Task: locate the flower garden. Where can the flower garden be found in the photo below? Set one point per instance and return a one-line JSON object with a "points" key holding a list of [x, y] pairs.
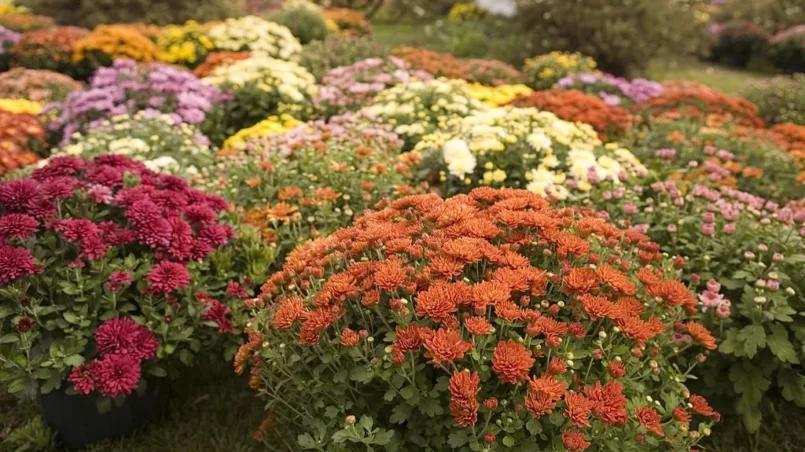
{"points": [[365, 248]]}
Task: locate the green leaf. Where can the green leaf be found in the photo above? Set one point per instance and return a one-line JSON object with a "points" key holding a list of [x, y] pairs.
{"points": [[74, 360], [361, 374], [390, 395], [534, 426], [306, 441], [158, 372], [458, 438], [104, 405], [407, 392], [71, 317], [731, 345], [383, 437], [780, 345], [366, 422], [749, 381], [430, 407], [400, 414], [793, 385], [331, 412], [508, 441], [9, 338], [753, 337]]}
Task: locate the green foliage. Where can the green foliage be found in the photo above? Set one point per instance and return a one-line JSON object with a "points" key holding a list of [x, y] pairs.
{"points": [[772, 15], [621, 35], [780, 99], [306, 24], [319, 57], [89, 13], [787, 50], [33, 436]]}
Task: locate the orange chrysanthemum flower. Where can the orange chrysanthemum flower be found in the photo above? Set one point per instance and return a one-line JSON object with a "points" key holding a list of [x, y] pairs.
{"points": [[543, 393], [701, 335], [573, 440], [289, 311], [478, 326], [700, 406], [616, 280], [512, 362], [438, 302], [446, 346], [597, 307], [680, 414], [408, 338], [464, 387], [650, 419], [390, 275], [609, 403], [315, 323], [578, 409], [349, 338], [581, 279]]}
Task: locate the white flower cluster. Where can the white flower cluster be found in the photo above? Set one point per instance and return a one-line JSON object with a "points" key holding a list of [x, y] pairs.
{"points": [[159, 142], [256, 35], [526, 148], [290, 81], [417, 108]]}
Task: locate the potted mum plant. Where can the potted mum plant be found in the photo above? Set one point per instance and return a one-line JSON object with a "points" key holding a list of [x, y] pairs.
{"points": [[101, 263], [488, 321]]}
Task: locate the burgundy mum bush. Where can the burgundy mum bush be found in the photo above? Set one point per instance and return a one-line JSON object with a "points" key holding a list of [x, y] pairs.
{"points": [[106, 276]]}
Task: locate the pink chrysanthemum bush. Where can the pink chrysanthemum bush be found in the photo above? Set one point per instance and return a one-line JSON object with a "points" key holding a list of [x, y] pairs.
{"points": [[106, 277], [488, 321], [743, 254]]}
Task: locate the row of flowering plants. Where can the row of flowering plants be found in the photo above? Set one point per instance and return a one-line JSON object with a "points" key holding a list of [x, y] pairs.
{"points": [[101, 265], [521, 148], [487, 321], [742, 253]]}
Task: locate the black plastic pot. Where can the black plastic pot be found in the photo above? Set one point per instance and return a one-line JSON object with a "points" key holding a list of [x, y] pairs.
{"points": [[77, 422]]}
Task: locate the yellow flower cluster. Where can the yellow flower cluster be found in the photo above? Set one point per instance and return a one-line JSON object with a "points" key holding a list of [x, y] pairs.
{"points": [[256, 35], [264, 128], [525, 148], [20, 106], [417, 108], [291, 81], [115, 41], [544, 71], [185, 44], [8, 7], [465, 12], [497, 96]]}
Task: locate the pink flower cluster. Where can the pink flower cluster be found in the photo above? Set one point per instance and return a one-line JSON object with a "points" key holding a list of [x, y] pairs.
{"points": [[122, 346], [712, 298], [159, 211], [350, 87]]}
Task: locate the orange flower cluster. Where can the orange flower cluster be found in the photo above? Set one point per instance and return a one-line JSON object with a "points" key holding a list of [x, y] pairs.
{"points": [[43, 48], [487, 72], [115, 41], [148, 30], [349, 21], [576, 106], [215, 60], [22, 23], [701, 103], [495, 278], [18, 132]]}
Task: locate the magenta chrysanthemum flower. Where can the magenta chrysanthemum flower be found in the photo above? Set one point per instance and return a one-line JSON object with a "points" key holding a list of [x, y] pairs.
{"points": [[15, 263], [17, 194], [17, 225], [217, 312], [199, 214], [123, 336], [166, 277], [59, 167], [117, 375], [74, 230], [118, 280], [216, 234], [82, 378], [59, 187]]}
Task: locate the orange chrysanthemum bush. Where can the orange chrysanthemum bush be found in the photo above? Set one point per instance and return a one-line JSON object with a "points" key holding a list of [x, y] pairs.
{"points": [[50, 49], [700, 103], [22, 136], [109, 42], [576, 106], [488, 321]]}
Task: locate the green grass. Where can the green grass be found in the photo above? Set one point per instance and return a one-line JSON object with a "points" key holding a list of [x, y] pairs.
{"points": [[725, 79], [211, 410]]}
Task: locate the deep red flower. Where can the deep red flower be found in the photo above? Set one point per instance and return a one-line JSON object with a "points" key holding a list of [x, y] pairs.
{"points": [[82, 378], [24, 325], [116, 374], [17, 225], [15, 263], [118, 280], [123, 336], [218, 312], [512, 362], [165, 277], [16, 195]]}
